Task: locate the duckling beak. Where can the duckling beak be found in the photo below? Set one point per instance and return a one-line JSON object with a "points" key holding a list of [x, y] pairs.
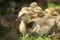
{"points": [[16, 20]]}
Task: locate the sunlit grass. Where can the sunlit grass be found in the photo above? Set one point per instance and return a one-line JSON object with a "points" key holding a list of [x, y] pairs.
{"points": [[31, 37]]}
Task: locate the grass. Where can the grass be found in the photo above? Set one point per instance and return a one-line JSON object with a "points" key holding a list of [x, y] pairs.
{"points": [[31, 37]]}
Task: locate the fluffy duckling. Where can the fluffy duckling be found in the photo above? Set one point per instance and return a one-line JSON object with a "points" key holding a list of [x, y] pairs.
{"points": [[55, 15], [52, 13]]}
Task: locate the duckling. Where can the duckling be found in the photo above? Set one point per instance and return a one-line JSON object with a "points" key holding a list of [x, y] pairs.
{"points": [[55, 15], [51, 12]]}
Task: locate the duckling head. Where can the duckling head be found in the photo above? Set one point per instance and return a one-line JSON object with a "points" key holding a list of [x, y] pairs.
{"points": [[37, 9], [24, 10], [33, 5], [49, 11]]}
